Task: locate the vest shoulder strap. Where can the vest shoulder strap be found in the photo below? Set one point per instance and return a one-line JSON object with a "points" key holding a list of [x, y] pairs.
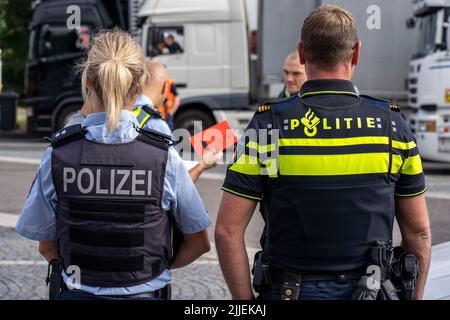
{"points": [[66, 135], [155, 138], [151, 111]]}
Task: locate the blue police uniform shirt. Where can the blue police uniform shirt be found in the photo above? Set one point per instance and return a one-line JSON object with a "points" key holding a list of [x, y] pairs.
{"points": [[38, 218]]}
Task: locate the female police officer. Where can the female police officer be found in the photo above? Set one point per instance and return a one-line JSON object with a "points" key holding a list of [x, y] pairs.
{"points": [[102, 195]]}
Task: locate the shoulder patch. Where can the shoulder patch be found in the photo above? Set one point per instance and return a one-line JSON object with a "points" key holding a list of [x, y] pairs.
{"points": [[278, 103], [67, 135]]}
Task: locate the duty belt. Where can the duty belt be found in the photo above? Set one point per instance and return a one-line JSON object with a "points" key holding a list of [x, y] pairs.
{"points": [[288, 283]]}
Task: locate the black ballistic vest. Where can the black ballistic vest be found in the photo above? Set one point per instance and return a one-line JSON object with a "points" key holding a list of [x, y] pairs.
{"points": [[110, 221], [328, 222]]}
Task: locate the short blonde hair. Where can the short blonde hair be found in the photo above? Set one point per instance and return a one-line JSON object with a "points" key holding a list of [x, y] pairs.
{"points": [[329, 36], [115, 67]]}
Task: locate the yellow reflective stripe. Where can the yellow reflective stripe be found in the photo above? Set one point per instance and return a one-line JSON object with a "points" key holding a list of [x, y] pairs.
{"points": [[247, 165], [262, 149], [240, 194], [144, 121], [411, 195], [397, 162], [328, 92], [336, 142], [331, 165], [412, 165], [403, 145], [141, 116]]}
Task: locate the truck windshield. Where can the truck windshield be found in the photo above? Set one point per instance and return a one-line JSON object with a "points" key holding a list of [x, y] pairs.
{"points": [[57, 40], [427, 35]]}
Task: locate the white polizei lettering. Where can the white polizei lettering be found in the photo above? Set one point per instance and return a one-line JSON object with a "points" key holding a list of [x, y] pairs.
{"points": [[149, 184], [66, 178], [135, 181], [126, 174], [98, 188], [91, 180], [113, 175]]}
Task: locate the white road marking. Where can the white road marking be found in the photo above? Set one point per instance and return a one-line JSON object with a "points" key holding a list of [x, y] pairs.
{"points": [[22, 263], [8, 220], [212, 176], [19, 160]]}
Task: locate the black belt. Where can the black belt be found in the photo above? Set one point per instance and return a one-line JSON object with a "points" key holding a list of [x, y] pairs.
{"points": [[287, 284], [278, 275]]}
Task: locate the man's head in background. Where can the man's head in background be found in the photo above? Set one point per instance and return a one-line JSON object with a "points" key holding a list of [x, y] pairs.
{"points": [[329, 45], [294, 73], [169, 40], [155, 84]]}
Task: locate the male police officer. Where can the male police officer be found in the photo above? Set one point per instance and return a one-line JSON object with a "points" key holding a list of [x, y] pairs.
{"points": [[294, 75], [153, 95], [331, 169]]}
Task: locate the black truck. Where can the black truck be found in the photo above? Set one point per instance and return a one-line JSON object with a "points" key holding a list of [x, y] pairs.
{"points": [[52, 86]]}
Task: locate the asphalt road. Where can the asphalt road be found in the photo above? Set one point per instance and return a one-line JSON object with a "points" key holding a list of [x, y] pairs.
{"points": [[22, 270], [19, 159]]}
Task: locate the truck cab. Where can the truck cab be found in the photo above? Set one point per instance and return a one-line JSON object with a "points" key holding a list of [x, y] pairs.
{"points": [[429, 79], [211, 77], [52, 85]]}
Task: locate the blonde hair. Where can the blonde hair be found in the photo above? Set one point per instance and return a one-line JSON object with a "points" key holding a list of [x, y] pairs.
{"points": [[115, 68], [329, 36]]}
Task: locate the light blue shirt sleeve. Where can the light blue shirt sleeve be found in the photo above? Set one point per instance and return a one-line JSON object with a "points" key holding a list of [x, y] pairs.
{"points": [[38, 219], [181, 196]]}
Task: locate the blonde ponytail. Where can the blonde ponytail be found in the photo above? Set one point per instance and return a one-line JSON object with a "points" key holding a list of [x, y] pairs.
{"points": [[115, 67]]}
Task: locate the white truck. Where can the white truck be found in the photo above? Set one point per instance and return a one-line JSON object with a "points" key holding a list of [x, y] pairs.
{"points": [[218, 77], [223, 71], [429, 79]]}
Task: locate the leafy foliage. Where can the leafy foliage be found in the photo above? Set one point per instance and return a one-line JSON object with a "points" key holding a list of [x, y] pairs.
{"points": [[15, 16]]}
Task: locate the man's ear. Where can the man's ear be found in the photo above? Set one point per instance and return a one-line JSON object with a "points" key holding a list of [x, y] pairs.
{"points": [[301, 52], [356, 51]]}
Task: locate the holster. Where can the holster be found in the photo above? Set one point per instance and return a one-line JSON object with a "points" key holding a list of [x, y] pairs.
{"points": [[54, 279], [261, 273]]}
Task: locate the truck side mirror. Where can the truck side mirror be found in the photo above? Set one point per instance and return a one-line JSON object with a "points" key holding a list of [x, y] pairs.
{"points": [[410, 23]]}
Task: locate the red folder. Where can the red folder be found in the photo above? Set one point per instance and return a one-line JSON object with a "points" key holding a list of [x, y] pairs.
{"points": [[219, 137]]}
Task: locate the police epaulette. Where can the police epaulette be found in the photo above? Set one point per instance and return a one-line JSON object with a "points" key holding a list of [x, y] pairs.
{"points": [[67, 135], [394, 107], [382, 102], [264, 108], [271, 103], [151, 111]]}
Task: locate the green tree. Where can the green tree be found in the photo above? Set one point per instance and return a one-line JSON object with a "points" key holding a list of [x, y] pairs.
{"points": [[15, 15]]}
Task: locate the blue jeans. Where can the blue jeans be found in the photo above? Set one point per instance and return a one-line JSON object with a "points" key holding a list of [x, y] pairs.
{"points": [[320, 290], [82, 295]]}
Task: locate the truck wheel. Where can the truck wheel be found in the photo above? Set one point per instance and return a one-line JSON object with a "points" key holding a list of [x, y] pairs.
{"points": [[65, 115], [187, 120]]}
